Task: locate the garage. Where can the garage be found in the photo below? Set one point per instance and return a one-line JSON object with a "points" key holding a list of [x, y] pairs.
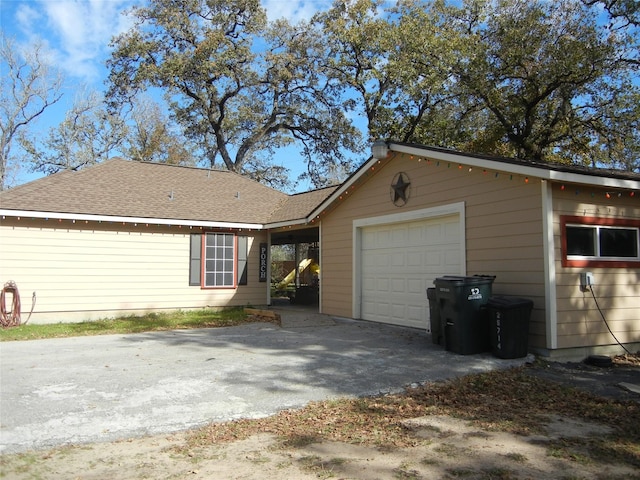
{"points": [[400, 260]]}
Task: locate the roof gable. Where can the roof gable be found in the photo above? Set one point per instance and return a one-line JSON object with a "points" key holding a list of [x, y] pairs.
{"points": [[615, 179]]}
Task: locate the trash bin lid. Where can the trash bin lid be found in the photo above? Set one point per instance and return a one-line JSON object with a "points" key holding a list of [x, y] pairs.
{"points": [[509, 302], [465, 280]]}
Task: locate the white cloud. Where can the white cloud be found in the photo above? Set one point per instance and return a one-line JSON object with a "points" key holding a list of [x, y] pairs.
{"points": [[294, 10], [26, 16], [77, 33]]}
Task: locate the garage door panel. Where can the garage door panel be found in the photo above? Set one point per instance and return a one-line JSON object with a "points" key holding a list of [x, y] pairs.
{"points": [[452, 259], [434, 259], [414, 286], [398, 285], [398, 259], [399, 236], [414, 313], [395, 275]]}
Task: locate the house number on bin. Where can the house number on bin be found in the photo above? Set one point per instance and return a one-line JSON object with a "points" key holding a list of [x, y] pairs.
{"points": [[475, 294]]}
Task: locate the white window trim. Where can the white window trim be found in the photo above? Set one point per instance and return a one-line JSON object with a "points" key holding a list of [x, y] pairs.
{"points": [[599, 257], [233, 258]]}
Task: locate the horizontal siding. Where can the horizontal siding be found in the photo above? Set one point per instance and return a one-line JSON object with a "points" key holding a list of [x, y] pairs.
{"points": [[503, 228], [617, 290], [87, 273], [336, 272]]}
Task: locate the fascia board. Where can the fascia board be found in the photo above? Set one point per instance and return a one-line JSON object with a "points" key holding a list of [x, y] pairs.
{"points": [[287, 223], [542, 173], [109, 218], [344, 188]]}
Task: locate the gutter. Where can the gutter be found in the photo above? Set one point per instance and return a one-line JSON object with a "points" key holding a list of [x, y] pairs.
{"points": [[118, 219]]}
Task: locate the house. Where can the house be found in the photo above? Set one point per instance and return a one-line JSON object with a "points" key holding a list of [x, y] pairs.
{"points": [[125, 236]]}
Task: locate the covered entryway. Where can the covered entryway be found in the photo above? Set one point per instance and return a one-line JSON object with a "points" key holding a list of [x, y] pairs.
{"points": [[295, 266], [398, 261]]}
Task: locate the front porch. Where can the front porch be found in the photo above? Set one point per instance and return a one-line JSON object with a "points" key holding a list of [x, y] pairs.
{"points": [[295, 267]]}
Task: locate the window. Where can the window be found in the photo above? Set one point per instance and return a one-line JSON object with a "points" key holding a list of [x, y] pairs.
{"points": [[222, 261], [219, 260], [600, 242]]}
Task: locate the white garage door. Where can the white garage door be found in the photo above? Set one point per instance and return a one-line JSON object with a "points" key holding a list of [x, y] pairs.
{"points": [[399, 262]]}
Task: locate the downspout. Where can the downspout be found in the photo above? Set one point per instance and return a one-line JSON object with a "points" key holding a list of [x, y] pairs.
{"points": [[550, 291]]}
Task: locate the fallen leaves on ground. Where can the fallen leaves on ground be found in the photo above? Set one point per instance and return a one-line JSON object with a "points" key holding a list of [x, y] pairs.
{"points": [[506, 400]]}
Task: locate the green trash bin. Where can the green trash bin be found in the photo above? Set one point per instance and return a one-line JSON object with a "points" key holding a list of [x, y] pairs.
{"points": [[437, 333], [509, 326], [464, 322]]}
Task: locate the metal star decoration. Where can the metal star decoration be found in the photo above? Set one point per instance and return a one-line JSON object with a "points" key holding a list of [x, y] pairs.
{"points": [[400, 189]]}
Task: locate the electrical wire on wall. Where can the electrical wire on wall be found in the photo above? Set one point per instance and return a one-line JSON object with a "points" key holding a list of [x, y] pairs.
{"points": [[590, 287]]}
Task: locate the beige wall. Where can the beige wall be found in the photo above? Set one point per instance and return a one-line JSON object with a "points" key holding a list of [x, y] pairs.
{"points": [[96, 270], [503, 228], [617, 290]]}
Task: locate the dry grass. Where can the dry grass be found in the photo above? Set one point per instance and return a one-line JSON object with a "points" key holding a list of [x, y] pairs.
{"points": [[513, 401]]}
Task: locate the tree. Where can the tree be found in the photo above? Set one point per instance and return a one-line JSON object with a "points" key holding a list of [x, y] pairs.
{"points": [[381, 55], [544, 72], [28, 87], [150, 138], [87, 135], [626, 11], [237, 85]]}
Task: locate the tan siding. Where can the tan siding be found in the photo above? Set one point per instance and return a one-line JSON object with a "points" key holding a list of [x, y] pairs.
{"points": [[617, 290], [503, 228], [87, 272], [336, 276]]}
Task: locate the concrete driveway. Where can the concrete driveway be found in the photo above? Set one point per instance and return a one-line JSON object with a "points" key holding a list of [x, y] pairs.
{"points": [[105, 388]]}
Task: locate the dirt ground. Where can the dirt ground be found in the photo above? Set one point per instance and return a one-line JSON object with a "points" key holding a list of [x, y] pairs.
{"points": [[444, 448], [451, 449]]}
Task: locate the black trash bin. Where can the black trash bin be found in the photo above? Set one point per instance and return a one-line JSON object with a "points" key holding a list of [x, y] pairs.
{"points": [[509, 326], [464, 322], [437, 333]]}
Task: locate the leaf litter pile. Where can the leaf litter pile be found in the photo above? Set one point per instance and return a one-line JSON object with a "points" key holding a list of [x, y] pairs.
{"points": [[512, 401]]}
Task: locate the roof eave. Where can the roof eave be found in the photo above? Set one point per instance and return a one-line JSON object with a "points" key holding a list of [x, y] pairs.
{"points": [[288, 223], [532, 171], [345, 187], [131, 220]]}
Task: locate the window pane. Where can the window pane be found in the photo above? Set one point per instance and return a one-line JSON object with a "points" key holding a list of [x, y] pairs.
{"points": [[581, 241], [619, 242]]}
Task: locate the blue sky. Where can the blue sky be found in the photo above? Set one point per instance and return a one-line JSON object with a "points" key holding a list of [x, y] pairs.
{"points": [[76, 34]]}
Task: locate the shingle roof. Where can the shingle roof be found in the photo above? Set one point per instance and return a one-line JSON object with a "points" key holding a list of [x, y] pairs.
{"points": [[299, 206], [125, 188]]}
